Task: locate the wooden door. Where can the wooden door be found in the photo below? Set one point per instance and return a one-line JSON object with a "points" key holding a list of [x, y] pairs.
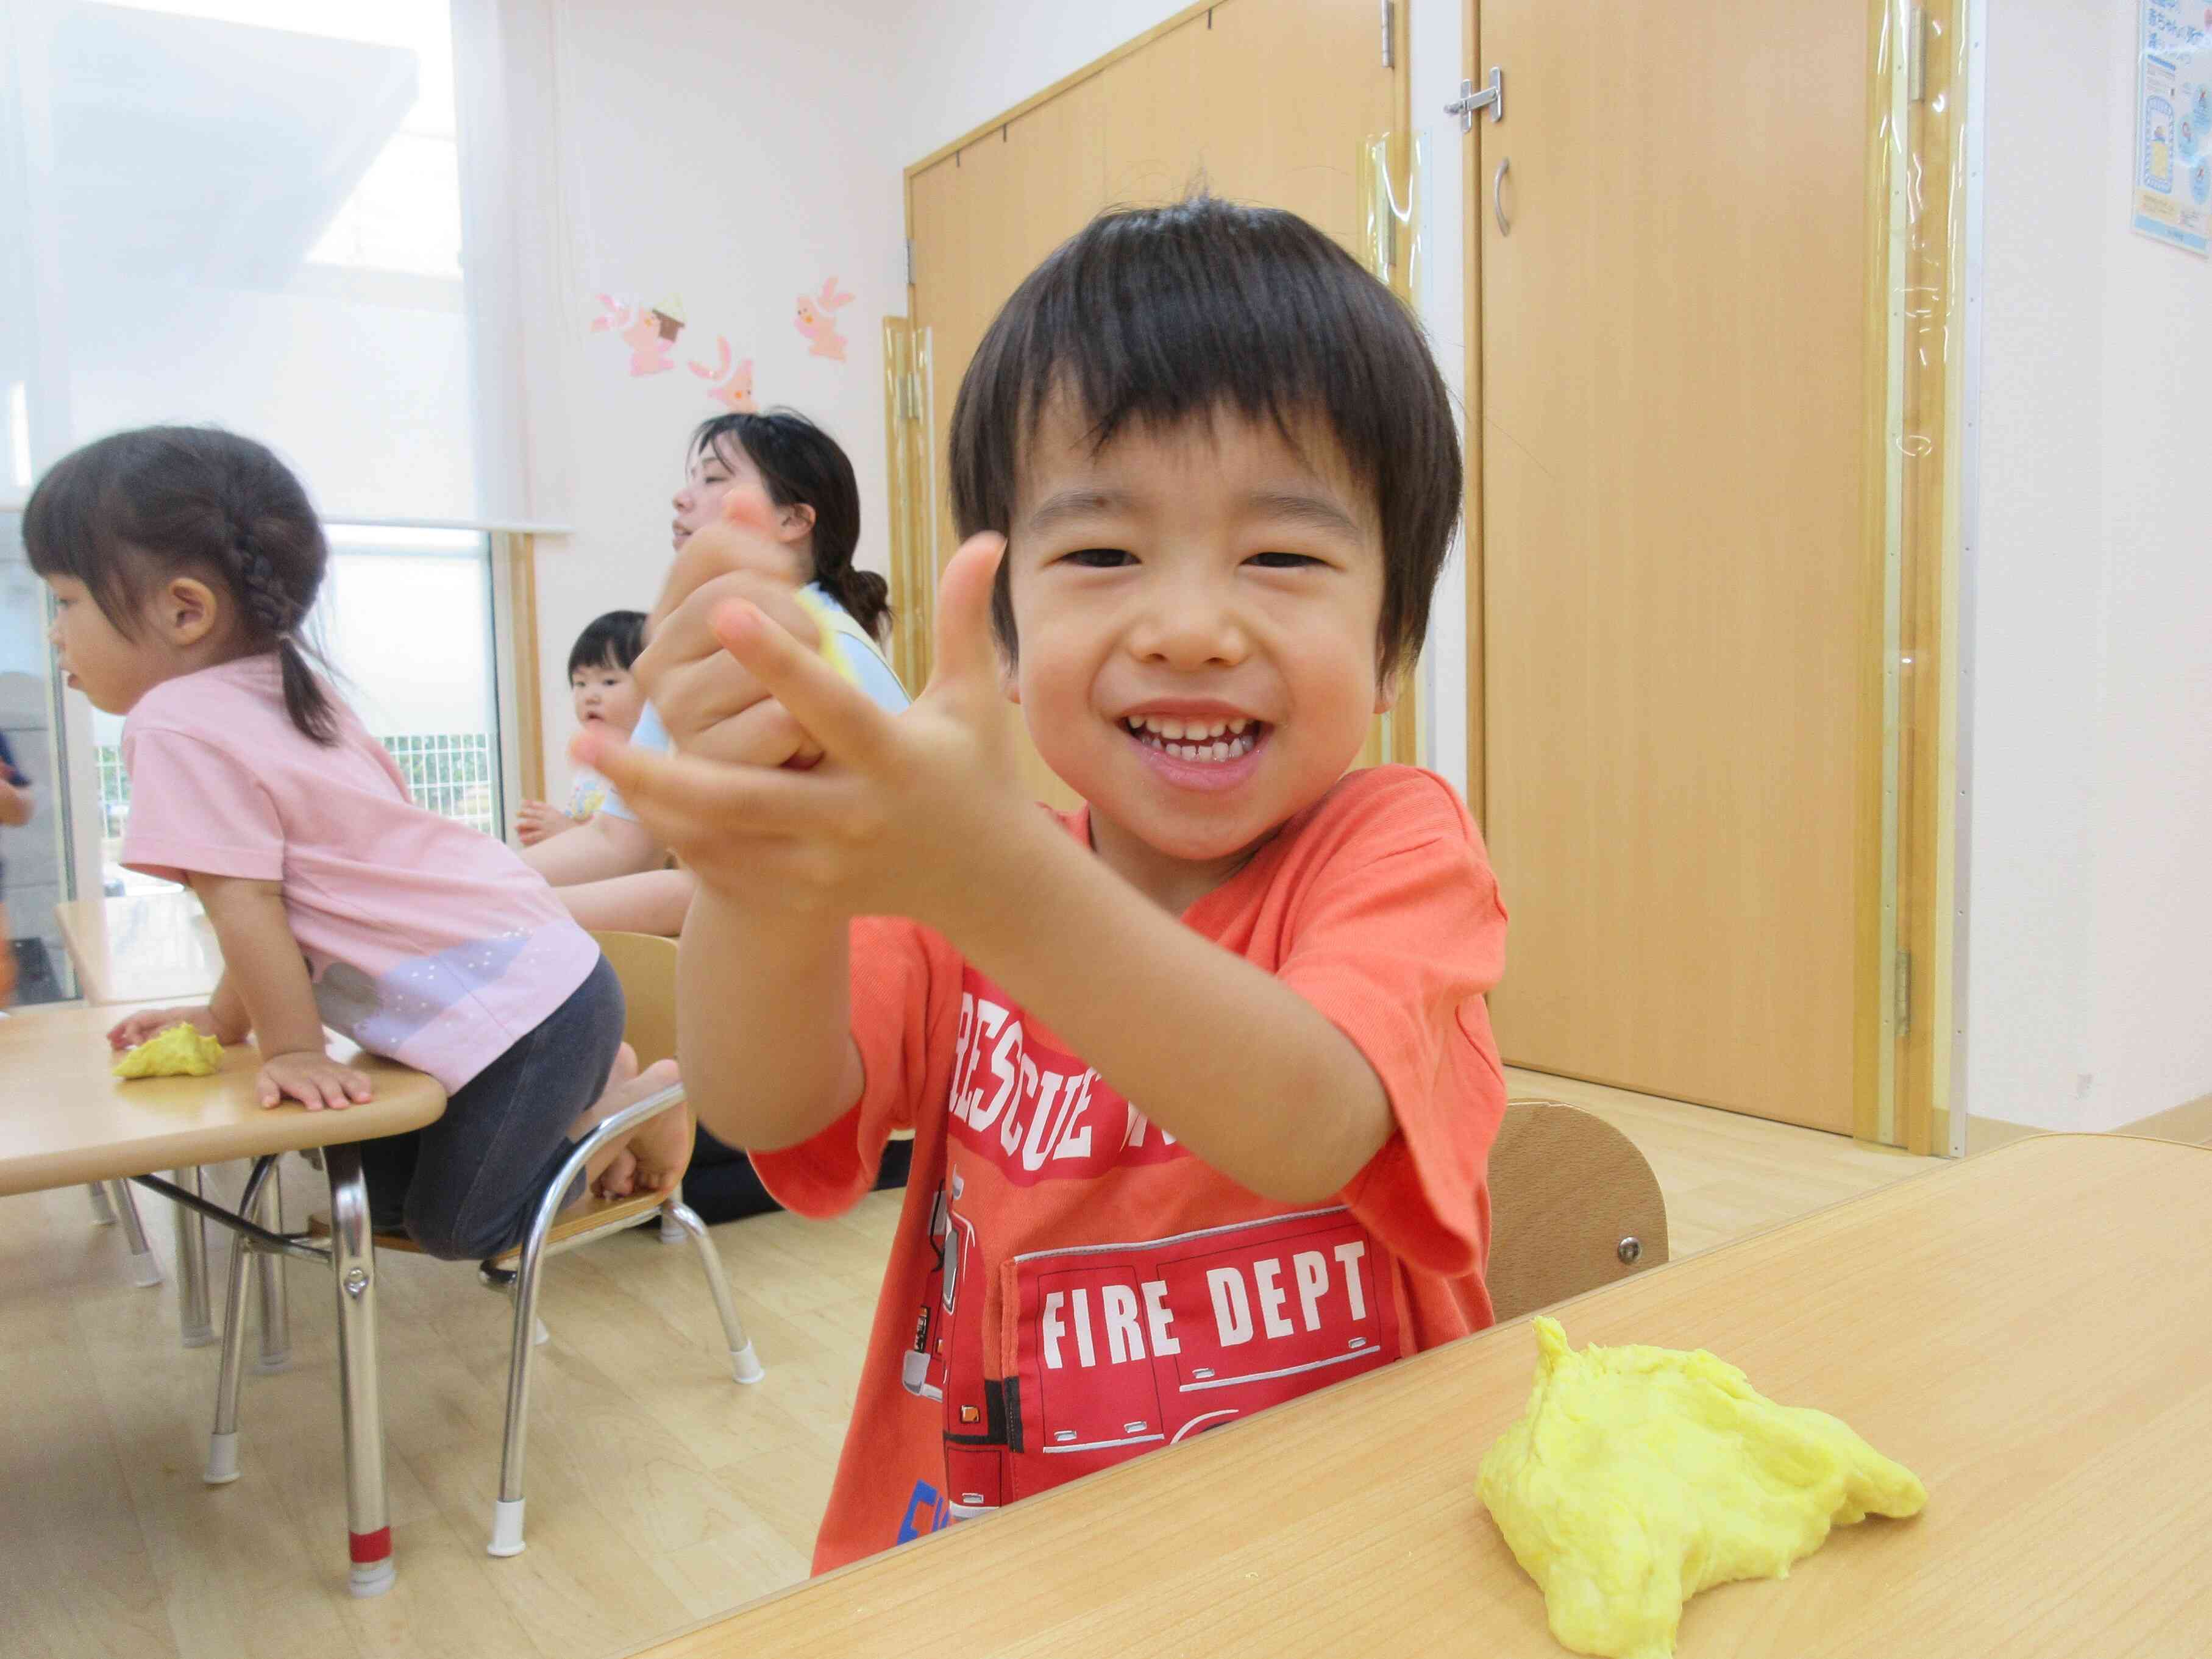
{"points": [[1682, 570], [1269, 102]]}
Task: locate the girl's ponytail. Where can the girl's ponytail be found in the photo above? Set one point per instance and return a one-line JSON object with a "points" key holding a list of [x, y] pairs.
{"points": [[865, 596], [270, 593]]}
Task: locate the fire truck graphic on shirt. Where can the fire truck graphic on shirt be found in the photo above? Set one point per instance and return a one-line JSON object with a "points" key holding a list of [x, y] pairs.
{"points": [[1113, 1348], [1121, 1348]]}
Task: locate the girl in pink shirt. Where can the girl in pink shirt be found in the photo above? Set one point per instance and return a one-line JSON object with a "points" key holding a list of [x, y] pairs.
{"points": [[184, 563]]}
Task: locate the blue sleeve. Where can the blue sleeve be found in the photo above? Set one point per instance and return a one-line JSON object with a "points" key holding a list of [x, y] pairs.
{"points": [[650, 734], [881, 685], [9, 772]]}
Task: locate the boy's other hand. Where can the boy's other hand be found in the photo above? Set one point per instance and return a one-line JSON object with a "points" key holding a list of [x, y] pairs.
{"points": [[710, 702], [535, 821], [906, 815], [149, 1022], [315, 1080]]}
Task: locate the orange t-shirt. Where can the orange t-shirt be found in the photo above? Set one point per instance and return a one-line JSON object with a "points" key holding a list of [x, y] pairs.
{"points": [[1069, 1287]]}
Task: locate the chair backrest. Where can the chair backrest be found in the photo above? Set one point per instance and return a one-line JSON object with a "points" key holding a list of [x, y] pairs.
{"points": [[646, 965], [1568, 1191]]}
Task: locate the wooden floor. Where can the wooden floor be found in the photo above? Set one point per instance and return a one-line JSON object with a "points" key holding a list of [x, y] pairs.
{"points": [[660, 1493]]}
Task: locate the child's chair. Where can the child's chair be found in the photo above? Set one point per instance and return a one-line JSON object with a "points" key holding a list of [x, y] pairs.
{"points": [[1573, 1205], [646, 965]]}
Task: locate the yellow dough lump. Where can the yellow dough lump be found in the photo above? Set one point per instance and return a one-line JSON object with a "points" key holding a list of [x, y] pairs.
{"points": [[179, 1051], [1639, 1476]]}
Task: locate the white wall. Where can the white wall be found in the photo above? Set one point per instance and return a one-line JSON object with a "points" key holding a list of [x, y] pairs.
{"points": [[961, 63], [2090, 948], [736, 167]]}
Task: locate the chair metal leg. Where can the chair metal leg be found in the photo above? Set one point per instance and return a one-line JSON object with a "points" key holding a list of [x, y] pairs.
{"points": [[276, 1316], [353, 1257], [103, 1213], [744, 1365], [506, 1511], [222, 1443], [191, 1266], [522, 1350], [145, 1270], [670, 1232]]}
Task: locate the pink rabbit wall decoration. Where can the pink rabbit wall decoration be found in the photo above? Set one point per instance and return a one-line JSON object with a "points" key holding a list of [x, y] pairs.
{"points": [[818, 322]]}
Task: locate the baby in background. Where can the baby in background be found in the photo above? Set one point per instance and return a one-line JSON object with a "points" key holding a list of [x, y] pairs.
{"points": [[607, 700]]}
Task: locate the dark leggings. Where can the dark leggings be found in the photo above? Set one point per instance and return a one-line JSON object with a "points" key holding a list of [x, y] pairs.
{"points": [[465, 1187]]}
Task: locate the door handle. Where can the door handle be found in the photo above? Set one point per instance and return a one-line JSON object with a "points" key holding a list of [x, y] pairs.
{"points": [[1498, 196]]}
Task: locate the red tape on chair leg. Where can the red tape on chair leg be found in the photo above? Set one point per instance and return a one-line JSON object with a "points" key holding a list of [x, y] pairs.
{"points": [[369, 1547]]}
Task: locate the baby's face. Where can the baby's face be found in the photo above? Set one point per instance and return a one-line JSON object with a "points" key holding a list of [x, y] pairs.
{"points": [[607, 699], [1197, 612]]}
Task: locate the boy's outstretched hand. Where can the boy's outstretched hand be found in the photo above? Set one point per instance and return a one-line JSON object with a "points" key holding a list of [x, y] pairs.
{"points": [[791, 789]]}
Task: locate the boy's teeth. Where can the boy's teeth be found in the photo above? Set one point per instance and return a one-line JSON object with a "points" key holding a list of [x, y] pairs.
{"points": [[1218, 740]]}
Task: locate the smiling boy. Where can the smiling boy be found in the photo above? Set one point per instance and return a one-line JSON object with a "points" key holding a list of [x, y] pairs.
{"points": [[1200, 1075]]}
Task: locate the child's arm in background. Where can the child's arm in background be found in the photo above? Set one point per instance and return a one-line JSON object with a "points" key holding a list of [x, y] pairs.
{"points": [[537, 821], [609, 846], [263, 966], [14, 803], [650, 901]]}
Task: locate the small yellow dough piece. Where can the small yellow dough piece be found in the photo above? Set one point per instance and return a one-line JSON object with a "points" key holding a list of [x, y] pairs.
{"points": [[827, 622], [1639, 1476], [181, 1050]]}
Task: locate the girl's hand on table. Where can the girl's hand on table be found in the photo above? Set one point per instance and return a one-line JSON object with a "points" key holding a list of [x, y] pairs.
{"points": [[149, 1023], [315, 1080]]}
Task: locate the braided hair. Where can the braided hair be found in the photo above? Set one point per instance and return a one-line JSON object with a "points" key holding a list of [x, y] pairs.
{"points": [[126, 513]]}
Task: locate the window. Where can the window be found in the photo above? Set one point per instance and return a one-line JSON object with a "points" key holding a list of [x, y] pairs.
{"points": [[251, 212]]}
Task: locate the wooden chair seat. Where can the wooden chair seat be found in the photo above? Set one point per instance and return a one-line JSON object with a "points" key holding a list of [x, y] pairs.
{"points": [[590, 1216]]}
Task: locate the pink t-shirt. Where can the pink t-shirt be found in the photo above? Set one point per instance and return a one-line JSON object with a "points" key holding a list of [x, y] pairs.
{"points": [[428, 941]]}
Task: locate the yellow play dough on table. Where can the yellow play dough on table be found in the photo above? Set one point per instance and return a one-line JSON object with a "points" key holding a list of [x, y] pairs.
{"points": [[181, 1050], [1639, 1476], [826, 620]]}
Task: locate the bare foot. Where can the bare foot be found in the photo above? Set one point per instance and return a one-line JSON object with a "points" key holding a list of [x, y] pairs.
{"points": [[653, 1156], [662, 1145], [619, 1179]]}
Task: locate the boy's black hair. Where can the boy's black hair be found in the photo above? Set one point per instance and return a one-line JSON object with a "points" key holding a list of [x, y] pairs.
{"points": [[802, 464], [126, 513], [1154, 316], [614, 641]]}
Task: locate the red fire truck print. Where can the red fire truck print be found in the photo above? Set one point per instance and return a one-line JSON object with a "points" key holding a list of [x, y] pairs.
{"points": [[1123, 1347]]}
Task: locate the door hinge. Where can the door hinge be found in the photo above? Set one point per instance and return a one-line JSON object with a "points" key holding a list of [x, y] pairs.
{"points": [[1904, 993], [1916, 53], [1390, 27], [1491, 98], [909, 262]]}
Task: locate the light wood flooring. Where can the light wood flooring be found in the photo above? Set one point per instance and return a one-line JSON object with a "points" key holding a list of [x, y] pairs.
{"points": [[660, 1493]]}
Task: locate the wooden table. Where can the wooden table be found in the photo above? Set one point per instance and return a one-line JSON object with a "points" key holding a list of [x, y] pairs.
{"points": [[160, 947], [150, 947], [65, 1118], [2029, 1331]]}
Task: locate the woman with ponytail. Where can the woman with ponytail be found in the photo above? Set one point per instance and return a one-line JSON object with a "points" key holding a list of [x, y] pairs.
{"points": [[183, 563]]}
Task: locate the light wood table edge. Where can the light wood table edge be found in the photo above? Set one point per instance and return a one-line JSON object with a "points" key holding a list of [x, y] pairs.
{"points": [[194, 1147]]}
